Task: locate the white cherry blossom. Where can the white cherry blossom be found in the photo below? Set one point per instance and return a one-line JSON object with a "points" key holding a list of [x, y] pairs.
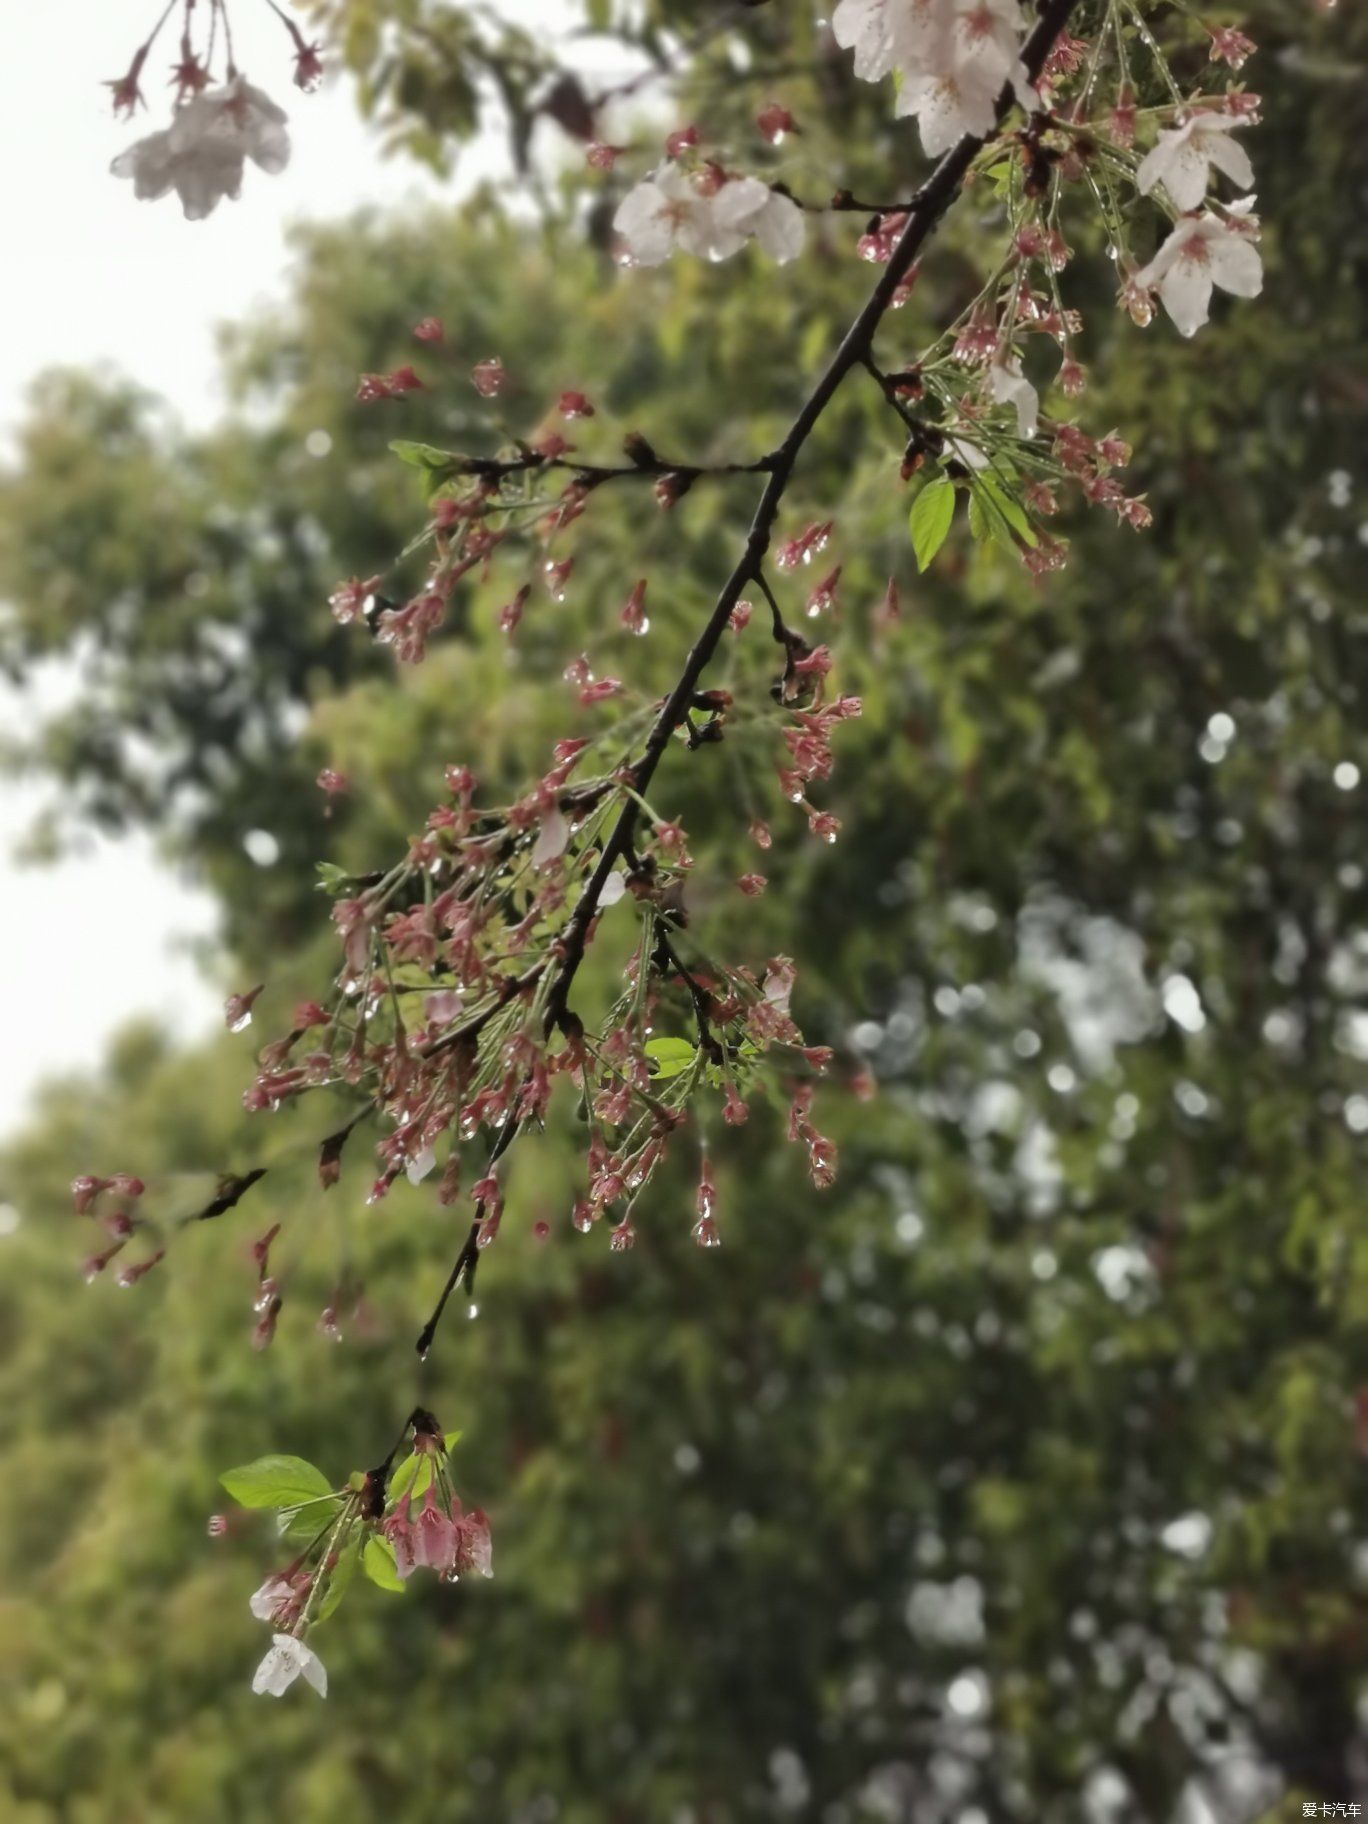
{"points": [[201, 155], [969, 454], [1203, 251], [286, 1660], [424, 1160], [1009, 386], [886, 35], [265, 1601], [1182, 159], [952, 58], [714, 220], [669, 210], [746, 206]]}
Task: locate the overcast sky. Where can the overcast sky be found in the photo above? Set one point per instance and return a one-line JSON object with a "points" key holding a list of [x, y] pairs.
{"points": [[97, 279]]}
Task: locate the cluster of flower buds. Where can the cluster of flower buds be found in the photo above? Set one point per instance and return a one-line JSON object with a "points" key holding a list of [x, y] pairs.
{"points": [[218, 120], [450, 1008], [369, 1525], [115, 1204]]}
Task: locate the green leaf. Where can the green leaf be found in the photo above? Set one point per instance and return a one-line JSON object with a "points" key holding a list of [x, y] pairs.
{"points": [[344, 1571], [301, 1524], [331, 878], [275, 1482], [422, 455], [378, 1562], [929, 520], [412, 1476], [1010, 508], [669, 1057]]}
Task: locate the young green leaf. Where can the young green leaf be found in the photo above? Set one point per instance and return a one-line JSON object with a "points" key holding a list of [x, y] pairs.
{"points": [[302, 1524], [343, 1572], [422, 455], [929, 520], [378, 1562], [275, 1482], [1010, 508], [332, 879], [669, 1057], [412, 1476]]}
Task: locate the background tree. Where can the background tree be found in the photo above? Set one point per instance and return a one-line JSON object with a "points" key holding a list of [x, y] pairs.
{"points": [[1022, 1476]]}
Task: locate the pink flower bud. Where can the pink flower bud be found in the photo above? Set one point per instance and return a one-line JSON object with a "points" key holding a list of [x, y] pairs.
{"points": [[489, 377], [332, 782], [348, 600], [752, 885], [84, 1191], [264, 1331], [557, 575], [1228, 45], [512, 611], [823, 597], [131, 1275], [682, 140], [821, 1160], [740, 616], [308, 70], [429, 330], [774, 122], [1071, 377], [634, 610], [237, 1009], [574, 405]]}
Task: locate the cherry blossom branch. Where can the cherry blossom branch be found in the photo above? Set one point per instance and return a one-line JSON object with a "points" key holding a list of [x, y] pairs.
{"points": [[924, 213], [644, 463], [924, 216]]}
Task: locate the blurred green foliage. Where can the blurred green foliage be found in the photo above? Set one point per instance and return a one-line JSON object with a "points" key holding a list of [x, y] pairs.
{"points": [[1018, 1478]]}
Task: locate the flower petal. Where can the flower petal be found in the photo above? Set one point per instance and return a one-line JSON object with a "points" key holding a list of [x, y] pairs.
{"points": [[1185, 292]]}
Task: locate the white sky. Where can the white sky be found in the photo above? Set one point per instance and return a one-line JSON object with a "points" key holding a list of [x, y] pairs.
{"points": [[97, 279]]}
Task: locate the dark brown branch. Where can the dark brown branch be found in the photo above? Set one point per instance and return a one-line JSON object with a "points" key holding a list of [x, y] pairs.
{"points": [[644, 465], [230, 1192], [469, 1257]]}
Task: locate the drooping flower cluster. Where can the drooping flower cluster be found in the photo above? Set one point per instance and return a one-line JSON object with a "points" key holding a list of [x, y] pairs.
{"points": [[950, 58], [216, 127], [201, 155], [368, 1525]]}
